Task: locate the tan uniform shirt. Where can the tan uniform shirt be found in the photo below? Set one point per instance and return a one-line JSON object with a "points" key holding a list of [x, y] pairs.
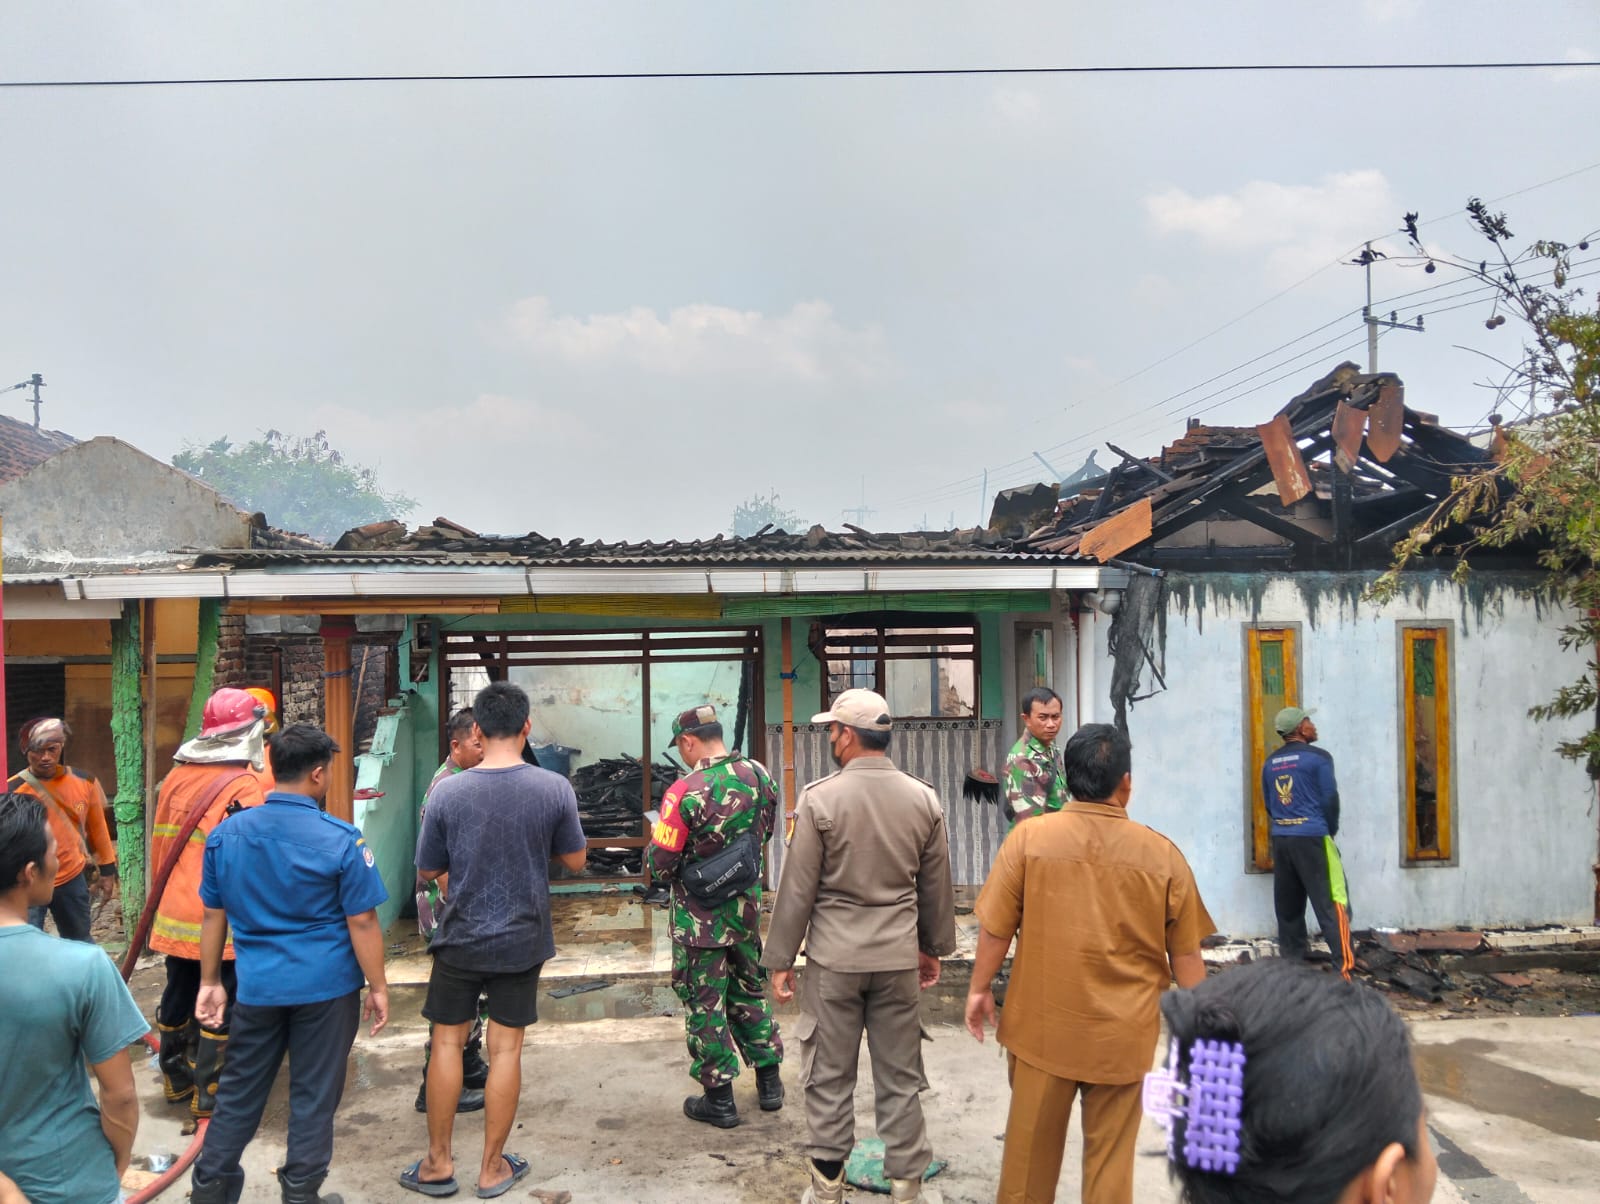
{"points": [[1102, 902], [866, 878]]}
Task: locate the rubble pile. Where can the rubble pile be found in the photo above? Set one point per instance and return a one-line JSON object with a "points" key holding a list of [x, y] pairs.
{"points": [[610, 804]]}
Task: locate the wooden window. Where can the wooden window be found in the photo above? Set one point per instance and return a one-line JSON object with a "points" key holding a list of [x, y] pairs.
{"points": [[1425, 743], [926, 666], [1272, 682]]}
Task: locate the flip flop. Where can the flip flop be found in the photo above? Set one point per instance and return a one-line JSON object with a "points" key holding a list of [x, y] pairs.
{"points": [[519, 1169], [411, 1179]]}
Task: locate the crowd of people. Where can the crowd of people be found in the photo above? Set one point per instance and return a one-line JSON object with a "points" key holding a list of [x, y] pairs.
{"points": [[1280, 1082]]}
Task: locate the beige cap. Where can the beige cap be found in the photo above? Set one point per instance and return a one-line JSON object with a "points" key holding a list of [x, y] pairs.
{"points": [[858, 708]]}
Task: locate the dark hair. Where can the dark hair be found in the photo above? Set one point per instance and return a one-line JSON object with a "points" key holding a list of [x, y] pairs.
{"points": [[23, 836], [500, 710], [706, 731], [1328, 1080], [298, 749], [871, 740], [460, 726], [1096, 758], [1043, 695]]}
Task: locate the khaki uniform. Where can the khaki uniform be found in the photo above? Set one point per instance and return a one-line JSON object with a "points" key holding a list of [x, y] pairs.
{"points": [[866, 885], [1100, 905]]}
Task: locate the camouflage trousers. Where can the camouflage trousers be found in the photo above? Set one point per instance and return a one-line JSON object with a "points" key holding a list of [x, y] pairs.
{"points": [[723, 991]]}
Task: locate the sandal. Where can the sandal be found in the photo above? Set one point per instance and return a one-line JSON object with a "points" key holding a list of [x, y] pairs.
{"points": [[519, 1169], [411, 1179]]}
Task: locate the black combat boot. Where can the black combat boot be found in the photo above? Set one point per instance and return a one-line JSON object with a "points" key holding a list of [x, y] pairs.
{"points": [[229, 1189], [474, 1070], [304, 1191], [769, 1087], [470, 1099], [715, 1107]]}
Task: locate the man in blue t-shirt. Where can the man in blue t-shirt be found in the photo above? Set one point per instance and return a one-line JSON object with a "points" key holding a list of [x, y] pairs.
{"points": [[300, 890], [1302, 800], [494, 829], [63, 1005]]}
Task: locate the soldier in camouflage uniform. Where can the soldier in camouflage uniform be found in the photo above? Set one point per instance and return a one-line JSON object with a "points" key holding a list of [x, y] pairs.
{"points": [[1035, 783], [716, 950]]}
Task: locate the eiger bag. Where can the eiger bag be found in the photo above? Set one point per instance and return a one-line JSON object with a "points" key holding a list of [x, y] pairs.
{"points": [[726, 874]]}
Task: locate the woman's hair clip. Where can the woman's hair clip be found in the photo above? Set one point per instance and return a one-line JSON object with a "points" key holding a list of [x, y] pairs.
{"points": [[1209, 1103]]}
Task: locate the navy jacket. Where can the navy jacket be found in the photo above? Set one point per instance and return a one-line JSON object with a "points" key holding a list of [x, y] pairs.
{"points": [[1302, 797]]}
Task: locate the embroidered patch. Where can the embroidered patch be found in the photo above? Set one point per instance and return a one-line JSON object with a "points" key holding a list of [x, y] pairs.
{"points": [[366, 855], [668, 837]]}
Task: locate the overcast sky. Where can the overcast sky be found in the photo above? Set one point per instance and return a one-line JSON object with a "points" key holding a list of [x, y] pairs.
{"points": [[616, 309]]}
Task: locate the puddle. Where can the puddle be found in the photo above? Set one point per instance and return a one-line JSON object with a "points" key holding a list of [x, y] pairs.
{"points": [[1463, 1071]]}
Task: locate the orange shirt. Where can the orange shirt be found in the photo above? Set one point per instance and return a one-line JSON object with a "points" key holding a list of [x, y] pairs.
{"points": [[77, 809], [176, 928], [1101, 903]]}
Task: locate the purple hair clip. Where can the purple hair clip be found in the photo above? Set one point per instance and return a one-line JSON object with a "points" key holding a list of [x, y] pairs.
{"points": [[1209, 1102]]}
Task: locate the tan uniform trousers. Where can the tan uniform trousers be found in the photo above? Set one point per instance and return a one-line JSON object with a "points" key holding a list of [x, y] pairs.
{"points": [[1036, 1137], [835, 1008]]}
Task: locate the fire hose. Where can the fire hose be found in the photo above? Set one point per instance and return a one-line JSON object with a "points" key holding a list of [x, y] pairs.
{"points": [[141, 932]]}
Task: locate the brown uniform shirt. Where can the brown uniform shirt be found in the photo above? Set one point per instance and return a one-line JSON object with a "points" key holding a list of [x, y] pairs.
{"points": [[866, 877], [1101, 902]]}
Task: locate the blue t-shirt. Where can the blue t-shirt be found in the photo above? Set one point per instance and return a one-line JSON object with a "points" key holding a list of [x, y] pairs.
{"points": [[1301, 793], [62, 1004], [494, 831], [288, 874]]}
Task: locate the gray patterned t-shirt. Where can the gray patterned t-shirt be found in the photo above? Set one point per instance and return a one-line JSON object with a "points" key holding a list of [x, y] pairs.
{"points": [[494, 831]]}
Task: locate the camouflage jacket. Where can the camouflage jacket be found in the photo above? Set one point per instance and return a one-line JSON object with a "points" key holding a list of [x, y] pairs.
{"points": [[1035, 782], [700, 814]]}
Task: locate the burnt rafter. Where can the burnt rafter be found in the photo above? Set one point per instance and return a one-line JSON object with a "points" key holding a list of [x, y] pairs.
{"points": [[1351, 501]]}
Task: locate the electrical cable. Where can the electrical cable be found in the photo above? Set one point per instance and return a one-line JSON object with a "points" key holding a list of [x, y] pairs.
{"points": [[801, 73]]}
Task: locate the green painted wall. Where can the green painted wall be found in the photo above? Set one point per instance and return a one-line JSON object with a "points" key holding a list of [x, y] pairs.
{"points": [[127, 741], [205, 664], [389, 824]]}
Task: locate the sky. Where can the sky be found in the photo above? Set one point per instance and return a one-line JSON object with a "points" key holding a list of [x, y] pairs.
{"points": [[617, 309]]}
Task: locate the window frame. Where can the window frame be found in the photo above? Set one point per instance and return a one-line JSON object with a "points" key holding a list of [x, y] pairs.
{"points": [[887, 624], [1407, 632], [1258, 824]]}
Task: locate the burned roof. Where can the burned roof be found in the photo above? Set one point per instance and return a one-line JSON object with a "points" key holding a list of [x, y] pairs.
{"points": [[446, 544], [1338, 475]]}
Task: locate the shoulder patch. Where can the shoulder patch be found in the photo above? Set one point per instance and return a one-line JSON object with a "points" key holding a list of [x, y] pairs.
{"points": [[815, 782], [924, 781]]}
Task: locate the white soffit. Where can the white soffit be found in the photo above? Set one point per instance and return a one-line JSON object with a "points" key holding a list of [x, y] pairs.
{"points": [[507, 582]]}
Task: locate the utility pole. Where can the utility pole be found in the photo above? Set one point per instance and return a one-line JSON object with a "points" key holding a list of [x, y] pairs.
{"points": [[1373, 322], [862, 511], [35, 382], [983, 496]]}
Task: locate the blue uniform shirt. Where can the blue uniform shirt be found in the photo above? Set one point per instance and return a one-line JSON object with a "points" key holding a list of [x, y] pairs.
{"points": [[1302, 796], [288, 875]]}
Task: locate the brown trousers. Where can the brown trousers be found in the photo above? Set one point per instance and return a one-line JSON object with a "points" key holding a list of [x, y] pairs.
{"points": [[835, 1008], [1036, 1137]]}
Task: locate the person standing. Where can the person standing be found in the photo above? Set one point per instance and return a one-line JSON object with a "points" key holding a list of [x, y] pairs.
{"points": [[77, 809], [494, 829], [300, 889], [1034, 782], [213, 774], [725, 807], [64, 1006], [1302, 798], [1106, 913], [866, 886], [466, 750]]}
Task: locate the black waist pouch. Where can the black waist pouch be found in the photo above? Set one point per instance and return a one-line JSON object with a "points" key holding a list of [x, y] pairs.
{"points": [[724, 875]]}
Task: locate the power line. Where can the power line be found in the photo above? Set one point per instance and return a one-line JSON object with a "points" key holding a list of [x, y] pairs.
{"points": [[797, 73]]}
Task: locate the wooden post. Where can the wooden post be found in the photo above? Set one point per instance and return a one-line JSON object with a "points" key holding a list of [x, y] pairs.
{"points": [[788, 728], [336, 713]]}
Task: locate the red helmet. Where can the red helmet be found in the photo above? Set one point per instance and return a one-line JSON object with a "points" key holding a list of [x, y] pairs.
{"points": [[228, 710]]}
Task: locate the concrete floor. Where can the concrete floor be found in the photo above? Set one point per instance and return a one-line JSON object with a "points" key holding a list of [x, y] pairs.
{"points": [[1515, 1104]]}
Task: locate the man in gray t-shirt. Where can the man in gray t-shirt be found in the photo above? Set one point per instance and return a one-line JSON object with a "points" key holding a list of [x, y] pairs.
{"points": [[494, 829]]}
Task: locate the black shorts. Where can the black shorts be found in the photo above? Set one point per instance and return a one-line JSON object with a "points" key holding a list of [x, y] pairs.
{"points": [[453, 995]]}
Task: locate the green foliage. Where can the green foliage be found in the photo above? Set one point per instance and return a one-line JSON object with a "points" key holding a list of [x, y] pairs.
{"points": [[1544, 485], [300, 484], [750, 517]]}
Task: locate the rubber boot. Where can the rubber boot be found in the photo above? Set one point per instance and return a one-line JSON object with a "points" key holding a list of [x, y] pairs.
{"points": [[470, 1100], [821, 1189], [304, 1191], [227, 1190], [769, 1088], [715, 1107], [474, 1070], [910, 1190], [207, 1067], [177, 1079]]}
